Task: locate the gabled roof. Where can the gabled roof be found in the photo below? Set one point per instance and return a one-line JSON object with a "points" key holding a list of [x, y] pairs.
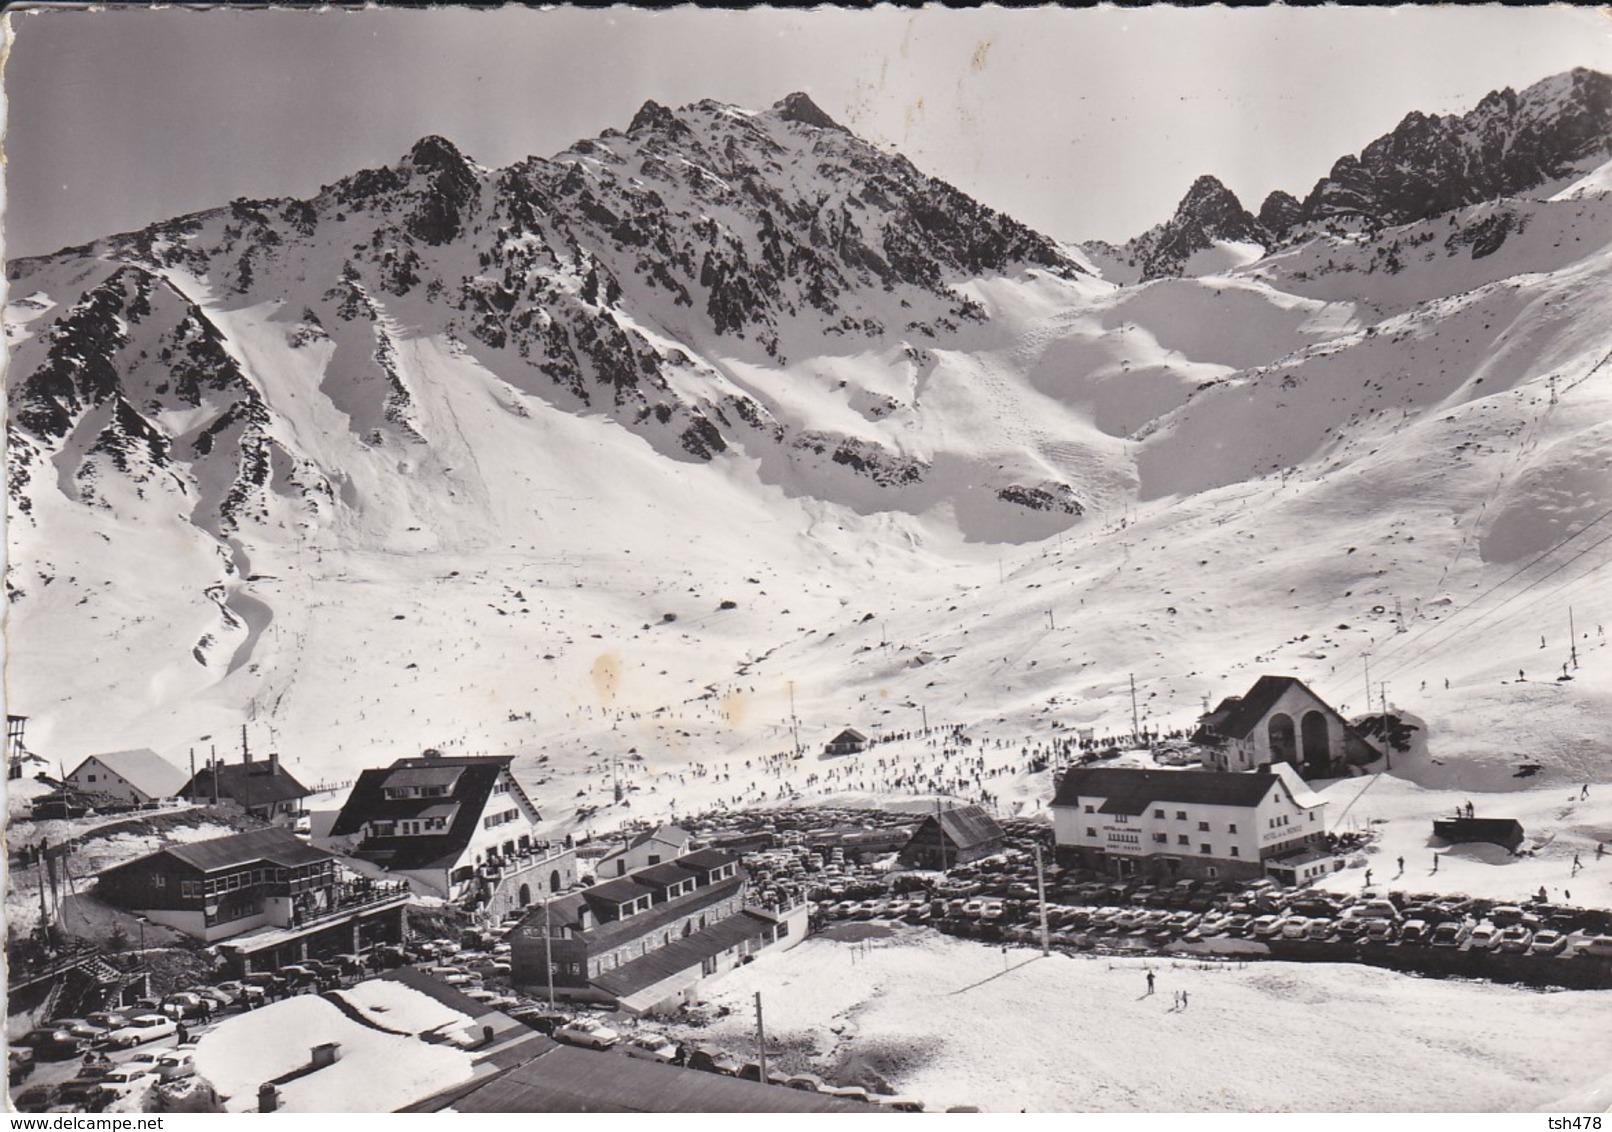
{"points": [[246, 784], [664, 875], [704, 860], [275, 845], [669, 834], [1130, 791], [142, 768], [432, 775], [622, 890], [1235, 717], [849, 735], [564, 911], [473, 779], [965, 827]]}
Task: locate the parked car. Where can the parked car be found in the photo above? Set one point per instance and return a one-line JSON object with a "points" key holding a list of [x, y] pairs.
{"points": [[175, 1065], [1548, 942], [898, 1103], [1515, 939], [1505, 915], [587, 1032], [1415, 931], [1452, 933], [751, 1071], [1485, 937], [1266, 927], [184, 1005], [1319, 929], [37, 1098], [124, 1081], [1294, 927], [710, 1059], [107, 1020], [1380, 930], [83, 1087], [651, 1046], [142, 1028], [1600, 945]]}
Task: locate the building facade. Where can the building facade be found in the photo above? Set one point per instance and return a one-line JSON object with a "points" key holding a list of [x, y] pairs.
{"points": [[951, 838], [1163, 824], [1281, 720], [265, 889], [260, 788], [134, 777], [651, 847], [647, 939], [460, 828]]}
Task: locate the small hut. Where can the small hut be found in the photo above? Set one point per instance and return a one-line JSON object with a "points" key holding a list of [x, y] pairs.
{"points": [[847, 742], [952, 837]]}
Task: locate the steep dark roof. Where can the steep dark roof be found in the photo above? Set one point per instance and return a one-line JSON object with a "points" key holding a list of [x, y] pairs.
{"points": [[565, 910], [618, 891], [567, 1079], [1235, 717], [967, 826], [681, 954], [277, 846], [247, 784], [705, 860], [473, 779], [663, 876], [1132, 791], [849, 735]]}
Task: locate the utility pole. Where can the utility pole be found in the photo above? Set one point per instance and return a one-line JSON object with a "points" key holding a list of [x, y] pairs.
{"points": [[1136, 724], [548, 948], [1051, 624], [1366, 656], [1572, 638], [761, 1042], [794, 724], [1388, 742], [925, 712], [1041, 899]]}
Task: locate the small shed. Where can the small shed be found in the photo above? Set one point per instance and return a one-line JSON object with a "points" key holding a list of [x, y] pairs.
{"points": [[1495, 831], [847, 742], [951, 838]]}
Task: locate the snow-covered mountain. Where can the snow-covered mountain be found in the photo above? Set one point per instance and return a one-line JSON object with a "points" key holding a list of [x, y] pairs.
{"points": [[731, 420], [1429, 165]]}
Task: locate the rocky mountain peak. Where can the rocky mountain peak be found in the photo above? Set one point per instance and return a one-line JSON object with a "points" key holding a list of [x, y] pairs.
{"points": [[433, 153], [1280, 212], [651, 116], [798, 107]]}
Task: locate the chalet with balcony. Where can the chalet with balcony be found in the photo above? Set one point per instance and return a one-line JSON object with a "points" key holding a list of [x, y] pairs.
{"points": [[1166, 824], [1281, 720], [134, 778], [266, 897], [460, 828], [261, 788], [646, 941]]}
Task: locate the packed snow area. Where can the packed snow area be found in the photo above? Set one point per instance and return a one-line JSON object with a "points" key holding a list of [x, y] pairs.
{"points": [[375, 1072], [956, 1023], [393, 1006]]}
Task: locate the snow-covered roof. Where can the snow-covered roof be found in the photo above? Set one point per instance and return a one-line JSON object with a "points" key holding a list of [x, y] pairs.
{"points": [[142, 768]]}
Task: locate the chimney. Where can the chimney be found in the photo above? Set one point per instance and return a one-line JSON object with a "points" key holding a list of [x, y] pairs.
{"points": [[325, 1054], [274, 762], [268, 1097]]}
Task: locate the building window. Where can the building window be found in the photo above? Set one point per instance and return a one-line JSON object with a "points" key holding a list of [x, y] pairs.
{"points": [[1183, 839], [1121, 819], [90, 777], [1213, 872], [1204, 849], [1203, 827], [1232, 828], [1158, 813], [1161, 838], [1235, 852], [1090, 810], [1090, 832]]}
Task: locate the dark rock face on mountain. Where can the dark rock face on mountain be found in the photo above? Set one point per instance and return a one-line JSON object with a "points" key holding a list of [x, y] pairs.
{"points": [[755, 235], [1279, 213], [1508, 144], [1209, 212]]}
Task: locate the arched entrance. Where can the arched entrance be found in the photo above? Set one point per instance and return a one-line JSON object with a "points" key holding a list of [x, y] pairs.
{"points": [[1284, 748], [525, 895], [1317, 744], [554, 881]]}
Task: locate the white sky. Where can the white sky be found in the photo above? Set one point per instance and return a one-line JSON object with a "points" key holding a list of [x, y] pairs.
{"points": [[1083, 123]]}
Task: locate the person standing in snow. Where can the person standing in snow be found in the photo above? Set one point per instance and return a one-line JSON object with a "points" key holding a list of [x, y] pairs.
{"points": [[1183, 1000], [1368, 878], [1402, 864], [1150, 982], [1435, 862]]}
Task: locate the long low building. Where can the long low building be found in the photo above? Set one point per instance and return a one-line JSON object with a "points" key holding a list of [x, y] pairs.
{"points": [[1206, 824], [647, 939]]}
